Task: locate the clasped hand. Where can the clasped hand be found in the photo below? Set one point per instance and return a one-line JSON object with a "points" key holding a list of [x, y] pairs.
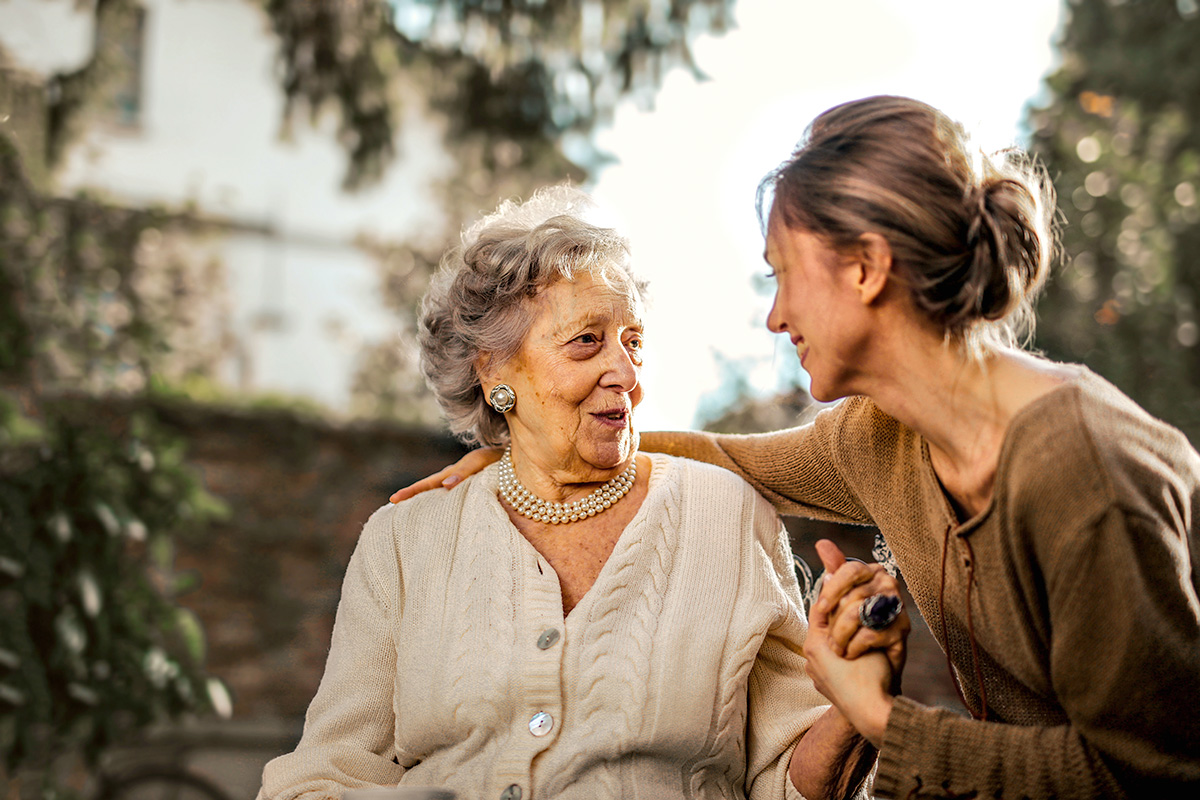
{"points": [[856, 668]]}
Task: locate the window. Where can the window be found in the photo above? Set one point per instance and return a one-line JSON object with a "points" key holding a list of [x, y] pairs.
{"points": [[120, 37]]}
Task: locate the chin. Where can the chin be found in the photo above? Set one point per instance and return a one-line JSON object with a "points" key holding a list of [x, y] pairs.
{"points": [[823, 394], [819, 394], [821, 391], [611, 455]]}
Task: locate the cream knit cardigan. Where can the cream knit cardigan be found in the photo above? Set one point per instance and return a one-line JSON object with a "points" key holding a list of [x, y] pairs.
{"points": [[678, 675]]}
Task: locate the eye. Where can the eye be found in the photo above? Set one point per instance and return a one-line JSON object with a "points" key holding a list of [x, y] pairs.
{"points": [[585, 345], [634, 345]]}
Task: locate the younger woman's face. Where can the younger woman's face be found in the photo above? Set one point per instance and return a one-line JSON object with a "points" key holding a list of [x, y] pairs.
{"points": [[816, 306]]}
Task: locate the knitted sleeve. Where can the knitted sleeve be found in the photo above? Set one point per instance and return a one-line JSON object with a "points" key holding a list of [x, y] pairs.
{"points": [[1124, 663], [795, 469], [350, 727]]}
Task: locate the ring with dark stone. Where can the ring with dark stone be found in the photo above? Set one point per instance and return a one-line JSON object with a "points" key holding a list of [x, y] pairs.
{"points": [[879, 610]]}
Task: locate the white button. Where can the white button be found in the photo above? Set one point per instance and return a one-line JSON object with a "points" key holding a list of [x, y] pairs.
{"points": [[548, 638], [540, 723]]}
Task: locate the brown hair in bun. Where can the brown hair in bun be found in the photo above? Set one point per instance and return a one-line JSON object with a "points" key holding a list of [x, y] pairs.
{"points": [[971, 235]]}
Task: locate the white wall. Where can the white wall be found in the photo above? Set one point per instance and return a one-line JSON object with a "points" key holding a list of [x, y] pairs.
{"points": [[210, 137], [325, 295], [45, 36]]}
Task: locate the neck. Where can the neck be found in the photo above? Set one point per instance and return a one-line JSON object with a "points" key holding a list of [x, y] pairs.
{"points": [[961, 406], [954, 402], [957, 406], [563, 482]]}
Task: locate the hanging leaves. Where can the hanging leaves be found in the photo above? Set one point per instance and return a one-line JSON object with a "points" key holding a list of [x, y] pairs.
{"points": [[525, 70], [93, 644]]}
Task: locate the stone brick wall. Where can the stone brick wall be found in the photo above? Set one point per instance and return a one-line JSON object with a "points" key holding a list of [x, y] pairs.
{"points": [[298, 491]]}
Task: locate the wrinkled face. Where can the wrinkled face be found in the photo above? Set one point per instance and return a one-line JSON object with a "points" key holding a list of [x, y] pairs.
{"points": [[816, 307], [577, 380]]}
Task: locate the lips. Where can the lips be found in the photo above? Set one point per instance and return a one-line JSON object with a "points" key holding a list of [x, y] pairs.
{"points": [[801, 348], [616, 417]]}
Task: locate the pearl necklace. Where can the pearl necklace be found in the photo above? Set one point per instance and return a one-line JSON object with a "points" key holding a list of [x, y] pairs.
{"points": [[527, 504]]}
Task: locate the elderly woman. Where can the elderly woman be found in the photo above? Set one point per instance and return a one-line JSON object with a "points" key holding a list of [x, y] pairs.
{"points": [[578, 620]]}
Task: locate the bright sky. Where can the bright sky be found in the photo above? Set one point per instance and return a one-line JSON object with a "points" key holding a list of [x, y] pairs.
{"points": [[684, 187]]}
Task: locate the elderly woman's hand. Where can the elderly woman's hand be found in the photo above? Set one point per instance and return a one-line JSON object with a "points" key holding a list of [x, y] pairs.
{"points": [[845, 586], [451, 476]]}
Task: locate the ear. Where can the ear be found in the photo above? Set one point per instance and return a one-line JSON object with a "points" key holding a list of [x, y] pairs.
{"points": [[483, 370], [874, 267]]}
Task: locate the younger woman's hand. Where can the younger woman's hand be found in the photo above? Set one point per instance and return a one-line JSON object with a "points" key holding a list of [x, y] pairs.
{"points": [[452, 475], [859, 688], [845, 587]]}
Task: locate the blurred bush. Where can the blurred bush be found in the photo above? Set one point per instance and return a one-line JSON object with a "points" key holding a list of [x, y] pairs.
{"points": [[520, 74], [92, 645]]}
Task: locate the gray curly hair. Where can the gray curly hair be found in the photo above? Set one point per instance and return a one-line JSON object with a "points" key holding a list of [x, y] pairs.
{"points": [[478, 302]]}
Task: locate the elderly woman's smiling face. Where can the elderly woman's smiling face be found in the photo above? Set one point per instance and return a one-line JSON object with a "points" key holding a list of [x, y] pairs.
{"points": [[577, 380]]}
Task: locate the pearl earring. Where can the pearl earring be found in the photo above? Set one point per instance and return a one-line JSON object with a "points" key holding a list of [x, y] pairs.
{"points": [[502, 398]]}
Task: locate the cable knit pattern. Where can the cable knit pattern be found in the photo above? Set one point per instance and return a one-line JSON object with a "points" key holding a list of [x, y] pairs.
{"points": [[479, 684], [1085, 597], [623, 625], [678, 675], [712, 773]]}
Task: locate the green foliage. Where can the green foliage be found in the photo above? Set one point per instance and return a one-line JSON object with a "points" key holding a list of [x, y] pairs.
{"points": [[1122, 140], [93, 645]]}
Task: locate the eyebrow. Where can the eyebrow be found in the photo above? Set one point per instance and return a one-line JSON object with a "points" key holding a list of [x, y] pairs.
{"points": [[570, 327]]}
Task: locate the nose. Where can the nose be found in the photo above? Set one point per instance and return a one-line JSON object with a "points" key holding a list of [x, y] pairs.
{"points": [[621, 372], [775, 320]]}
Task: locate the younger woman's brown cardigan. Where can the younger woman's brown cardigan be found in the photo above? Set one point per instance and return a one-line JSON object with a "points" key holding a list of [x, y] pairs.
{"points": [[1069, 604]]}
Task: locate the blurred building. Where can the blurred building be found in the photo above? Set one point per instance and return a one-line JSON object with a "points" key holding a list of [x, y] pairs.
{"points": [[191, 120]]}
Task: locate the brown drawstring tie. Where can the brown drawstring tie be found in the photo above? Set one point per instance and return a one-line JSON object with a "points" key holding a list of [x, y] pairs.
{"points": [[970, 626]]}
